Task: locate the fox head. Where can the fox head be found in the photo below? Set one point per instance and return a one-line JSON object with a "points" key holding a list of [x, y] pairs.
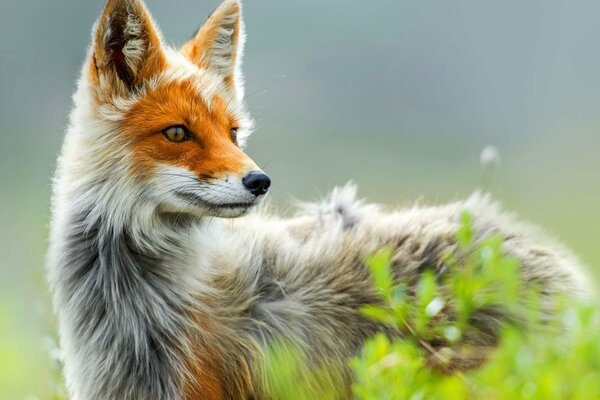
{"points": [[164, 127]]}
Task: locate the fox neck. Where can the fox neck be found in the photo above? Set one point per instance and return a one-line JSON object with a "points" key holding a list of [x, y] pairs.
{"points": [[121, 280]]}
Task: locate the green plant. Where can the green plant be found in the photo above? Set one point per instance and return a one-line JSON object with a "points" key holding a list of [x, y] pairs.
{"points": [[535, 358]]}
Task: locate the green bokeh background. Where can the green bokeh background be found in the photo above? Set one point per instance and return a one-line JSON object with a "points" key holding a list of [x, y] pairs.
{"points": [[398, 96]]}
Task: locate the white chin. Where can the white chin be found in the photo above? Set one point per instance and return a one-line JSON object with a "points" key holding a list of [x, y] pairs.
{"points": [[227, 212], [205, 209]]}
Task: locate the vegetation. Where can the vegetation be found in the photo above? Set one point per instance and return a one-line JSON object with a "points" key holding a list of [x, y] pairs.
{"points": [[536, 358]]}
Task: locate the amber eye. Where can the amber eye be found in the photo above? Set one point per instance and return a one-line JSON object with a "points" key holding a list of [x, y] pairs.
{"points": [[233, 134], [177, 134]]}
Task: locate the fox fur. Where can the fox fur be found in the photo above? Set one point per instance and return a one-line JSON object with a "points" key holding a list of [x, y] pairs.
{"points": [[158, 299]]}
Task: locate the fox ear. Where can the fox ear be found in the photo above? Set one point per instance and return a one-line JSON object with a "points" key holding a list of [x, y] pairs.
{"points": [[218, 45], [127, 46]]}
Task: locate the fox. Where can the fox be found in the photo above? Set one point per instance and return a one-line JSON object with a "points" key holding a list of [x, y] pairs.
{"points": [[170, 278]]}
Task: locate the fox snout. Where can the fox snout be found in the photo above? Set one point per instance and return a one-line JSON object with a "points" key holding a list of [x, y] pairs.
{"points": [[257, 183]]}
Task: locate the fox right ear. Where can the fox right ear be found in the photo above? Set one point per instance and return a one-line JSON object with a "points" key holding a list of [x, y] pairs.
{"points": [[218, 45], [127, 48]]}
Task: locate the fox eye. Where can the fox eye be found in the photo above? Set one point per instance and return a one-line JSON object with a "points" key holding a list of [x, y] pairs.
{"points": [[233, 134], [176, 134]]}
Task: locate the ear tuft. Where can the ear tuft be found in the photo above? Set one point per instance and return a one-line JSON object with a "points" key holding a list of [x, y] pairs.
{"points": [[218, 44], [127, 45]]}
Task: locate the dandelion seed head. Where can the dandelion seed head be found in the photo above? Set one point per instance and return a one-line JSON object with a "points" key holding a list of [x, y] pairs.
{"points": [[489, 157]]}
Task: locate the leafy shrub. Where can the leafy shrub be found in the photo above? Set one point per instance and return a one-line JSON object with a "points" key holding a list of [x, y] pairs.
{"points": [[535, 358]]}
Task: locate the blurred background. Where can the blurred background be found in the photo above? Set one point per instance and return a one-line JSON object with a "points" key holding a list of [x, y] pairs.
{"points": [[399, 96]]}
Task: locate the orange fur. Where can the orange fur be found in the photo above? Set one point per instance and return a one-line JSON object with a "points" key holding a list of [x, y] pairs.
{"points": [[210, 154], [205, 367], [218, 369]]}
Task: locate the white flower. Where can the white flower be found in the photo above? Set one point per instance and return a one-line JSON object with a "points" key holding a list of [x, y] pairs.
{"points": [[490, 157]]}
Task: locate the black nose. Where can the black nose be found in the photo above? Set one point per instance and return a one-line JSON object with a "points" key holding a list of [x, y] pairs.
{"points": [[257, 183]]}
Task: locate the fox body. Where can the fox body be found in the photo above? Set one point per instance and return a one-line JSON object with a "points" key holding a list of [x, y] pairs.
{"points": [[158, 299]]}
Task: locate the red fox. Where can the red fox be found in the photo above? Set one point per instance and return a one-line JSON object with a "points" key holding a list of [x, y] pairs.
{"points": [[161, 292]]}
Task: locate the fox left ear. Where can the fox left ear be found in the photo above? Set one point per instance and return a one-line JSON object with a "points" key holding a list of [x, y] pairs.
{"points": [[127, 47], [218, 45]]}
